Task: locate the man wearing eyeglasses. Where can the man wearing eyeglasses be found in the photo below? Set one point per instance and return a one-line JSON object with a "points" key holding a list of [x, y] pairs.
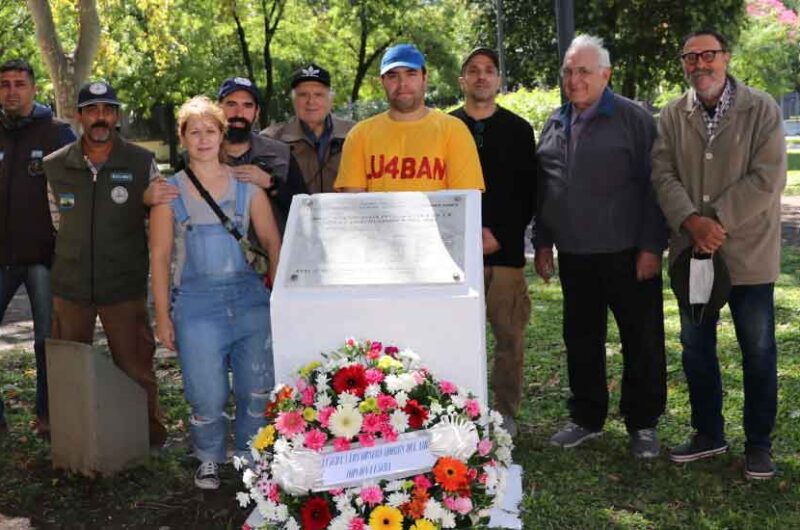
{"points": [[719, 166], [506, 148], [596, 204]]}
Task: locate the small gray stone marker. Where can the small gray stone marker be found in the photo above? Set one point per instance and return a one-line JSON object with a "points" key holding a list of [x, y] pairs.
{"points": [[98, 415]]}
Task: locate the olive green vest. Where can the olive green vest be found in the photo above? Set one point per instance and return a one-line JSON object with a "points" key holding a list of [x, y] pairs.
{"points": [[101, 251]]}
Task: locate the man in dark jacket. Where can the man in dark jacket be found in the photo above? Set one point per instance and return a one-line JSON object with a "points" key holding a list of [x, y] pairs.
{"points": [[596, 204], [28, 133], [314, 134], [101, 256], [506, 147]]}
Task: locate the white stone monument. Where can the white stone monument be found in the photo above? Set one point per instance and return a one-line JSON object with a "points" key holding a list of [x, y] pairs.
{"points": [[98, 415], [404, 268]]}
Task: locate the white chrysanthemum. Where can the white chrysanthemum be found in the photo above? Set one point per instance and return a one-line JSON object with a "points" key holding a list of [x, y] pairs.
{"points": [[349, 400], [372, 390], [396, 499], [291, 524], [395, 485], [448, 519], [436, 408], [345, 422], [502, 437], [249, 478], [323, 400], [433, 510], [409, 358], [267, 508], [398, 420], [503, 454], [450, 410], [497, 418], [401, 398], [281, 513], [459, 400], [322, 380], [281, 445], [339, 523], [396, 383], [243, 499]]}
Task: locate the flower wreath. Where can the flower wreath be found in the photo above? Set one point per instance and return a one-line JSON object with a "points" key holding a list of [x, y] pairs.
{"points": [[365, 395]]}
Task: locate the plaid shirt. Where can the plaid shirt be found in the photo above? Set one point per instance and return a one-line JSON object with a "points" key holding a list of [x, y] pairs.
{"points": [[725, 102]]}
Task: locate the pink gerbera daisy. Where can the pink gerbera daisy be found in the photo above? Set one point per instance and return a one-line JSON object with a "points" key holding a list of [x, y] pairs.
{"points": [[290, 423], [315, 439]]}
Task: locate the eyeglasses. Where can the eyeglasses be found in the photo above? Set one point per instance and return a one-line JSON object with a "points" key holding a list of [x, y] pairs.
{"points": [[580, 71], [477, 133], [707, 56]]}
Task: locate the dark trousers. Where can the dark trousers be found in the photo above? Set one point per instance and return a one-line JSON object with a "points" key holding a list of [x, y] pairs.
{"points": [[36, 279], [753, 312], [593, 283], [130, 339]]}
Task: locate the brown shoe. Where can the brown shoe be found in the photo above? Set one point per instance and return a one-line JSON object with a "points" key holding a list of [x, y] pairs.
{"points": [[41, 427]]}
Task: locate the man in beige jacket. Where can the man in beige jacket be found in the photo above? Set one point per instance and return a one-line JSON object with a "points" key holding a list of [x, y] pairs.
{"points": [[719, 166]]}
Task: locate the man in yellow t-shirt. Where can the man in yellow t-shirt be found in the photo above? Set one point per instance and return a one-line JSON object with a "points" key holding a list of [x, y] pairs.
{"points": [[410, 147]]}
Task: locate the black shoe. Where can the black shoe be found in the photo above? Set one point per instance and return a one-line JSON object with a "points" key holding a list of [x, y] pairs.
{"points": [[699, 446], [758, 464]]}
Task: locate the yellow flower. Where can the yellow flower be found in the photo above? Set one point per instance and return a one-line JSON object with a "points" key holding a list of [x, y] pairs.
{"points": [[264, 438], [386, 518], [368, 405], [386, 363], [309, 414], [423, 524], [310, 367]]}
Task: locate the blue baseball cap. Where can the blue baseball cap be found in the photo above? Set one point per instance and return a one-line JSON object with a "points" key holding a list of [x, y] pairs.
{"points": [[402, 55], [232, 84]]}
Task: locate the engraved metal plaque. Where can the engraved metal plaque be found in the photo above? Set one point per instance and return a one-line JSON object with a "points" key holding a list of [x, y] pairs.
{"points": [[378, 239]]}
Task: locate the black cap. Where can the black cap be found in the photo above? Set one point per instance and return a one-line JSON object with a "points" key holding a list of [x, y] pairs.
{"points": [[311, 72], [482, 50], [97, 92], [679, 281], [232, 84]]}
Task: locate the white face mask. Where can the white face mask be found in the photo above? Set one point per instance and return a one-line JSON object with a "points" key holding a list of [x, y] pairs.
{"points": [[701, 280]]}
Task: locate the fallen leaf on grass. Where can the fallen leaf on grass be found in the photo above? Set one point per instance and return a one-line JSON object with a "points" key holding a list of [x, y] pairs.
{"points": [[613, 477]]}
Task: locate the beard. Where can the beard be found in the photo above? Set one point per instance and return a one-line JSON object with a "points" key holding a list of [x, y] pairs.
{"points": [[714, 88], [238, 135]]}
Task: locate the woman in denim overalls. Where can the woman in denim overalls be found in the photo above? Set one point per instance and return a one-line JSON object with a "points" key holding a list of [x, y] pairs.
{"points": [[219, 317]]}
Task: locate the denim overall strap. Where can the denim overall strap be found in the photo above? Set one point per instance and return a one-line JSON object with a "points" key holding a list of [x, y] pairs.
{"points": [[178, 206], [241, 204]]}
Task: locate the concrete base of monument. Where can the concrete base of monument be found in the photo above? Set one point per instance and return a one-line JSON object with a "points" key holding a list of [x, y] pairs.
{"points": [[98, 415], [507, 515]]}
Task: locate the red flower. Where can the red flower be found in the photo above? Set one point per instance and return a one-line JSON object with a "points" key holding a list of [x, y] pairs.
{"points": [[315, 514], [351, 379], [416, 414]]}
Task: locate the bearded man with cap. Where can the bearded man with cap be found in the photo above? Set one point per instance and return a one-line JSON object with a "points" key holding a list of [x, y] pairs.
{"points": [[28, 133], [256, 159], [719, 167], [410, 147], [506, 147], [314, 134], [101, 260]]}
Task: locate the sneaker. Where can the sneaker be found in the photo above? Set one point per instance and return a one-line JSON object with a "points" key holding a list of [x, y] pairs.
{"points": [[758, 464], [572, 435], [644, 443], [207, 476], [510, 425], [697, 447]]}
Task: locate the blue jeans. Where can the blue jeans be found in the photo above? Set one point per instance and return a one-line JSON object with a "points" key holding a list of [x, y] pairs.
{"points": [[753, 311], [37, 283], [220, 326]]}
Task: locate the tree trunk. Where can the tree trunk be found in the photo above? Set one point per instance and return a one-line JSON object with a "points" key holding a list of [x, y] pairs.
{"points": [[248, 63], [67, 70], [365, 61], [272, 18]]}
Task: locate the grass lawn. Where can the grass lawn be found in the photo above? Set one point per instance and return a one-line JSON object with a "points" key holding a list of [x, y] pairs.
{"points": [[595, 486], [792, 183]]}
